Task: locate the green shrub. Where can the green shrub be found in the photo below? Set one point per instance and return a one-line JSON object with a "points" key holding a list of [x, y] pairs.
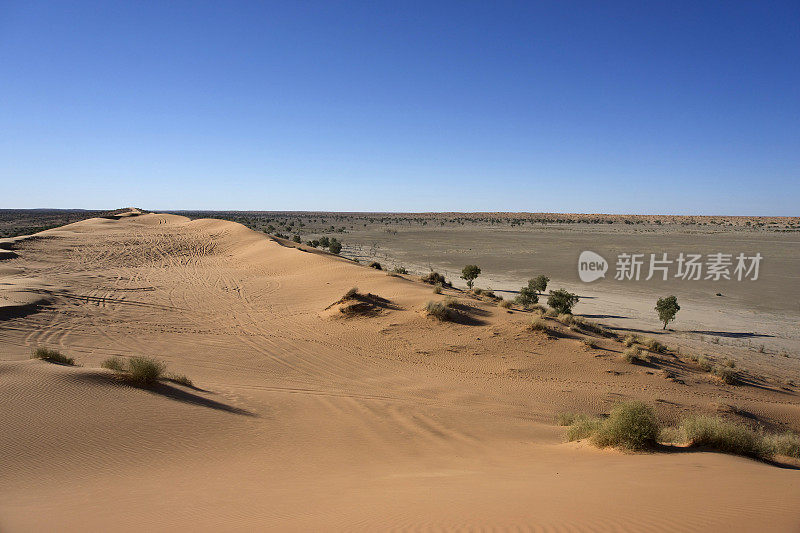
{"points": [[400, 270], [470, 273], [52, 356], [631, 426], [667, 308], [567, 419], [527, 297], [539, 283], [721, 435], [335, 247], [145, 370], [375, 265], [562, 301]]}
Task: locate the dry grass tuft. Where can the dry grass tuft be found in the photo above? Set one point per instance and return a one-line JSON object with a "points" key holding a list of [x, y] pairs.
{"points": [[634, 355], [52, 356]]}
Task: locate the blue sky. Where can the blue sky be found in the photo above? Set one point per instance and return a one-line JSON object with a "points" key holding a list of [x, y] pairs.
{"points": [[613, 107]]}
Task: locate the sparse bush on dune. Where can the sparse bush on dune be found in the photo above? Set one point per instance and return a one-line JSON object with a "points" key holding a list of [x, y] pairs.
{"points": [[141, 371], [114, 363], [375, 265], [433, 278], [552, 313], [440, 310], [145, 370], [52, 356], [477, 291], [589, 343], [787, 444], [630, 340], [705, 363], [582, 427], [437, 289], [505, 304], [566, 318], [633, 354], [400, 270], [350, 293], [724, 436], [567, 419], [655, 346], [631, 426], [180, 379], [335, 247], [540, 324], [726, 374]]}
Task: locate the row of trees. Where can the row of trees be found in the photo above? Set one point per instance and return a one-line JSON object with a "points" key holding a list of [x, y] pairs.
{"points": [[562, 300]]}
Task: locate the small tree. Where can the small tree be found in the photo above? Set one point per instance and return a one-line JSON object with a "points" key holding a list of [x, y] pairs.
{"points": [[335, 246], [470, 273], [324, 241], [539, 283], [296, 238], [667, 308], [562, 301], [527, 297]]}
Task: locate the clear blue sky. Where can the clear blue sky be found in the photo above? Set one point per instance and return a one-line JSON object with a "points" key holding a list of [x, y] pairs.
{"points": [[616, 107]]}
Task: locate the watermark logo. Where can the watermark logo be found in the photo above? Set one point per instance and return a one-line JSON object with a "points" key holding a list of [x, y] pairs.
{"points": [[591, 266], [684, 266]]}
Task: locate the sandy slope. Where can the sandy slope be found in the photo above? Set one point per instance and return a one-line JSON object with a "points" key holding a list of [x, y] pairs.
{"points": [[307, 421]]}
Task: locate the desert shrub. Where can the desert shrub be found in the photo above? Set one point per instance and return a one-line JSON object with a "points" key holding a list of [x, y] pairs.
{"points": [[589, 343], [477, 290], [375, 265], [470, 273], [114, 363], [566, 319], [552, 313], [562, 301], [655, 346], [631, 426], [730, 363], [724, 436], [180, 379], [297, 239], [52, 356], [667, 308], [633, 355], [705, 364], [727, 375], [583, 427], [400, 270], [439, 310], [433, 278], [538, 309], [539, 324], [505, 304], [787, 444], [145, 370], [590, 326], [335, 247], [437, 289], [567, 419], [352, 293], [324, 241], [490, 294], [630, 340]]}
